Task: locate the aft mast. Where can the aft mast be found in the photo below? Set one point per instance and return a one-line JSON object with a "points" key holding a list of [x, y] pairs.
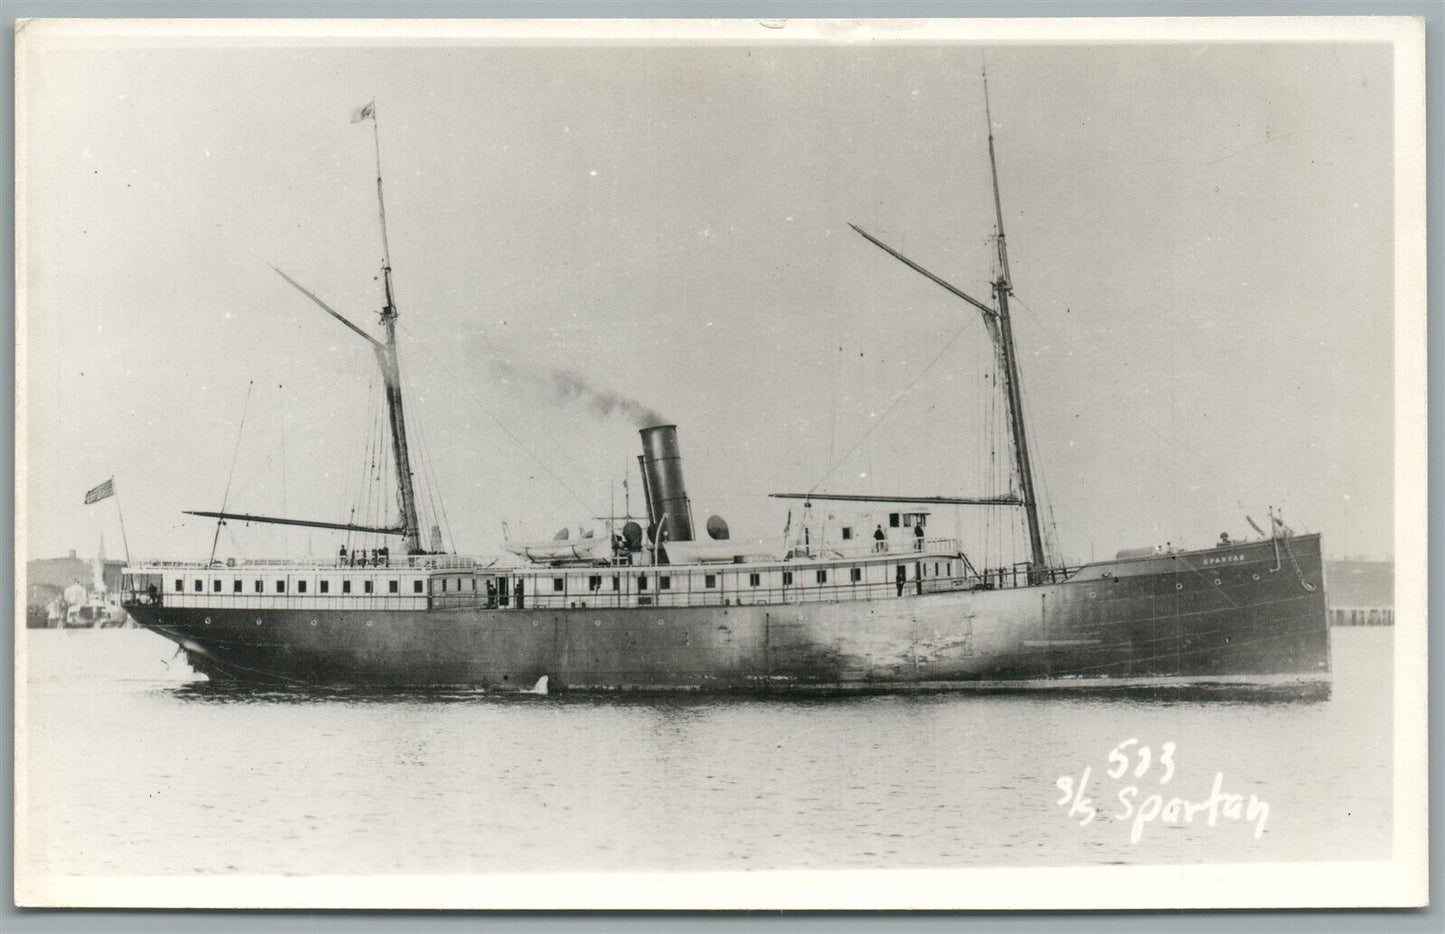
{"points": [[1002, 287], [390, 367]]}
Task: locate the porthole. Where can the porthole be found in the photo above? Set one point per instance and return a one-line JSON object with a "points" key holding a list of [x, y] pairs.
{"points": [[368, 624], [1178, 586], [597, 622], [1092, 595], [1217, 582], [1256, 577], [208, 621], [313, 622], [258, 621]]}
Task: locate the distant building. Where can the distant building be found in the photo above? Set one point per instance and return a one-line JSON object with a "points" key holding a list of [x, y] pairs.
{"points": [[73, 591], [1360, 593], [47, 578]]}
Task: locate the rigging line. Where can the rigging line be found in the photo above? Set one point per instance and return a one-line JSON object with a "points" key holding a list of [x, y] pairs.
{"points": [[1193, 455], [232, 536], [1042, 475], [502, 425], [373, 477], [420, 445], [435, 500], [358, 488], [384, 489], [229, 477], [562, 453], [358, 480], [285, 532], [886, 412]]}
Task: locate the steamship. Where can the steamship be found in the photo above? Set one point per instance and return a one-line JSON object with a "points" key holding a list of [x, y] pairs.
{"points": [[652, 606]]}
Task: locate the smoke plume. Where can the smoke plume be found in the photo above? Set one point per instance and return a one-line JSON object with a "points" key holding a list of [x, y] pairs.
{"points": [[568, 387]]}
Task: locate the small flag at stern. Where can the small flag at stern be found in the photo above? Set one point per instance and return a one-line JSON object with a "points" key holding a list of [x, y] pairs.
{"points": [[365, 112], [101, 492]]}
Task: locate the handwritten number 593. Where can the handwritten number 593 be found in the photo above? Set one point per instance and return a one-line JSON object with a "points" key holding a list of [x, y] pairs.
{"points": [[1119, 762]]}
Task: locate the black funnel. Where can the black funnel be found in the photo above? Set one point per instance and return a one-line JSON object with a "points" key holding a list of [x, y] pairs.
{"points": [[666, 494]]}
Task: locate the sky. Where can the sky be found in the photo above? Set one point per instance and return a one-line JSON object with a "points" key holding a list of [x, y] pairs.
{"points": [[1200, 237]]}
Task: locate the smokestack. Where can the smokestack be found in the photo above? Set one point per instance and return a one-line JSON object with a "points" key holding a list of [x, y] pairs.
{"points": [[662, 471]]}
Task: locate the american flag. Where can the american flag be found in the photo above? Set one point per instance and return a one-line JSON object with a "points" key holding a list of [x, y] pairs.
{"points": [[99, 493]]}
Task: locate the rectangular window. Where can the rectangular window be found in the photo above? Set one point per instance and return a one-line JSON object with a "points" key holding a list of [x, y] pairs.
{"points": [[616, 582], [236, 585], [664, 583], [416, 586], [787, 578], [326, 586], [368, 585], [855, 574], [216, 586], [346, 586], [935, 569], [258, 586], [180, 585], [709, 580], [642, 582], [393, 586], [300, 586], [594, 583], [444, 585], [280, 586], [754, 580], [893, 520], [822, 577], [557, 585], [847, 533], [198, 585]]}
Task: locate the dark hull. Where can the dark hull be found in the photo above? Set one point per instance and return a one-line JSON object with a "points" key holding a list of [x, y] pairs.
{"points": [[1251, 614]]}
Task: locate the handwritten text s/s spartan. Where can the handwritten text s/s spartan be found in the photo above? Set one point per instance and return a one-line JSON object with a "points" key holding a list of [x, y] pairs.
{"points": [[1128, 760]]}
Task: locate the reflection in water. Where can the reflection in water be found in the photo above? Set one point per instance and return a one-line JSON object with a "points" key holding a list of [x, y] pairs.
{"points": [[141, 769]]}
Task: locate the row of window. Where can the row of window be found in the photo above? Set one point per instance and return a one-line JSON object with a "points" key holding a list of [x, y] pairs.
{"points": [[323, 586], [709, 581], [559, 584]]}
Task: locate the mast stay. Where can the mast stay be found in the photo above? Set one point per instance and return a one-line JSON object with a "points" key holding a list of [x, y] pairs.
{"points": [[1000, 329], [1002, 287], [386, 359], [390, 367]]}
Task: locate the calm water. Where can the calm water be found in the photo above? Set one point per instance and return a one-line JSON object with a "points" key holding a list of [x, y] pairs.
{"points": [[135, 767]]}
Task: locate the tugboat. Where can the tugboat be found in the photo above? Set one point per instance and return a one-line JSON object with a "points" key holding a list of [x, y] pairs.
{"points": [[650, 607]]}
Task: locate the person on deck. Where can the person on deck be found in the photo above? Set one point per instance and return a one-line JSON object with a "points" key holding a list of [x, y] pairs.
{"points": [[878, 538], [918, 537], [341, 557]]}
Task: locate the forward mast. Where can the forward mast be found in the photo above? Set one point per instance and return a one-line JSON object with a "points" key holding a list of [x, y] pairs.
{"points": [[387, 361]]}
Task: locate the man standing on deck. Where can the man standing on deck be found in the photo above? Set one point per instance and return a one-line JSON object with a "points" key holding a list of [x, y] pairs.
{"points": [[878, 538]]}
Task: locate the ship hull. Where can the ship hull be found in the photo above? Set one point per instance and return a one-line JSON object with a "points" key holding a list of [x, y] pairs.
{"points": [[1252, 614]]}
